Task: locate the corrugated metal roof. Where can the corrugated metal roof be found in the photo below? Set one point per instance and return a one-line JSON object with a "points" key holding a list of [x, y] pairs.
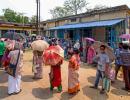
{"points": [[89, 24]]}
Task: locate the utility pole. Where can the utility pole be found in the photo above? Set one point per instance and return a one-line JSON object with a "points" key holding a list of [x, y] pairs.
{"points": [[38, 17]]}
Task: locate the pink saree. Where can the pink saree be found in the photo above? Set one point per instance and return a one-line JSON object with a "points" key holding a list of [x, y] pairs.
{"points": [[91, 54]]}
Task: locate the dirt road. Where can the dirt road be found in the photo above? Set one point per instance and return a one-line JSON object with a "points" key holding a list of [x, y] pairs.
{"points": [[39, 89]]}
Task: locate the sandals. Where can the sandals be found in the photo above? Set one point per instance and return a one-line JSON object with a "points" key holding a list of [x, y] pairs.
{"points": [[18, 92], [14, 93]]}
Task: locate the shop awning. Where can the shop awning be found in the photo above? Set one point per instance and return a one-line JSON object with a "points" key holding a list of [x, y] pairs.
{"points": [[89, 24]]}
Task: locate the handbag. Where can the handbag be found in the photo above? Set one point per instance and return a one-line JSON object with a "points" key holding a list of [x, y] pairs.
{"points": [[11, 70], [106, 84], [112, 75]]}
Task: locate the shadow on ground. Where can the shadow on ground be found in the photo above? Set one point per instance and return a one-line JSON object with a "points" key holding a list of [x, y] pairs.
{"points": [[118, 85], [66, 96], [91, 79], [4, 76], [120, 92], [94, 94], [42, 93], [87, 66], [28, 78], [3, 92]]}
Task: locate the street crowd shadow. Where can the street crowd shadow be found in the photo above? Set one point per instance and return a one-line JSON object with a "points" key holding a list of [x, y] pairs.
{"points": [[3, 92], [66, 96], [91, 79], [120, 92], [28, 78], [94, 94], [118, 84], [3, 77], [42, 93], [87, 66]]}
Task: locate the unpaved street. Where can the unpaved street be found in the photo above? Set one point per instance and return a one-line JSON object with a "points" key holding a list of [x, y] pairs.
{"points": [[39, 89]]}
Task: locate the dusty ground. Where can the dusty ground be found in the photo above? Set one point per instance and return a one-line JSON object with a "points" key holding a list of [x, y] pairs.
{"points": [[35, 90]]}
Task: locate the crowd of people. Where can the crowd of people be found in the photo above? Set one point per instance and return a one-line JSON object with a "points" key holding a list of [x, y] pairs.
{"points": [[12, 55]]}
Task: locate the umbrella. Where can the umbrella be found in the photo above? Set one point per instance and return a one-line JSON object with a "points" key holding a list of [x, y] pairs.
{"points": [[90, 39], [109, 50], [14, 36], [39, 45], [53, 55], [125, 36]]}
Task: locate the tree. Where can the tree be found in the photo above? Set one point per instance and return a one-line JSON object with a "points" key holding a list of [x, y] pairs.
{"points": [[33, 19], [59, 12], [26, 19], [70, 7], [97, 7], [2, 18], [10, 15], [75, 6], [16, 17]]}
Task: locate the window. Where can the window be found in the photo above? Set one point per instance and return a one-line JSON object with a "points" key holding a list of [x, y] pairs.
{"points": [[73, 20], [44, 24]]}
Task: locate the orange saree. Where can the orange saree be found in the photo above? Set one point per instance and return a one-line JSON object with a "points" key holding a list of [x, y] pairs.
{"points": [[73, 77]]}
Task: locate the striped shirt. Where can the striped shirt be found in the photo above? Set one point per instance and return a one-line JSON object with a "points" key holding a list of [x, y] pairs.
{"points": [[125, 57]]}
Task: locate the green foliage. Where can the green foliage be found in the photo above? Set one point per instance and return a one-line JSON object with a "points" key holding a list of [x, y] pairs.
{"points": [[71, 7], [97, 7], [59, 12], [12, 16], [75, 6], [33, 19]]}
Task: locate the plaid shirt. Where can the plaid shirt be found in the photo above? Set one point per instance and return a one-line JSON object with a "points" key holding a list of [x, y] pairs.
{"points": [[125, 57]]}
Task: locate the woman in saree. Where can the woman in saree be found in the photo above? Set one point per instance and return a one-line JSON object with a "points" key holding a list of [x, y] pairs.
{"points": [[91, 54], [55, 77], [37, 64], [14, 83], [73, 77]]}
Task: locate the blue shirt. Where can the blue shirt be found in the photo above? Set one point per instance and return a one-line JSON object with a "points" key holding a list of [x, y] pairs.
{"points": [[118, 56]]}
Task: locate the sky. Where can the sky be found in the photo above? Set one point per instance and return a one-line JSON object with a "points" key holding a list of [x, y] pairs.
{"points": [[28, 7]]}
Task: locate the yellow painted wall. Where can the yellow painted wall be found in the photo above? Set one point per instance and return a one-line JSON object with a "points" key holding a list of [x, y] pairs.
{"points": [[61, 22], [11, 28], [51, 24], [88, 19], [113, 15]]}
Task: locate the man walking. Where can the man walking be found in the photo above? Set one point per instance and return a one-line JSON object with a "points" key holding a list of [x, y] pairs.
{"points": [[125, 58], [103, 64]]}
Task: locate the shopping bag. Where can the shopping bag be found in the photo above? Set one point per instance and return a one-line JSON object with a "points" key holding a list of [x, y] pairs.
{"points": [[11, 70], [112, 75], [106, 84]]}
